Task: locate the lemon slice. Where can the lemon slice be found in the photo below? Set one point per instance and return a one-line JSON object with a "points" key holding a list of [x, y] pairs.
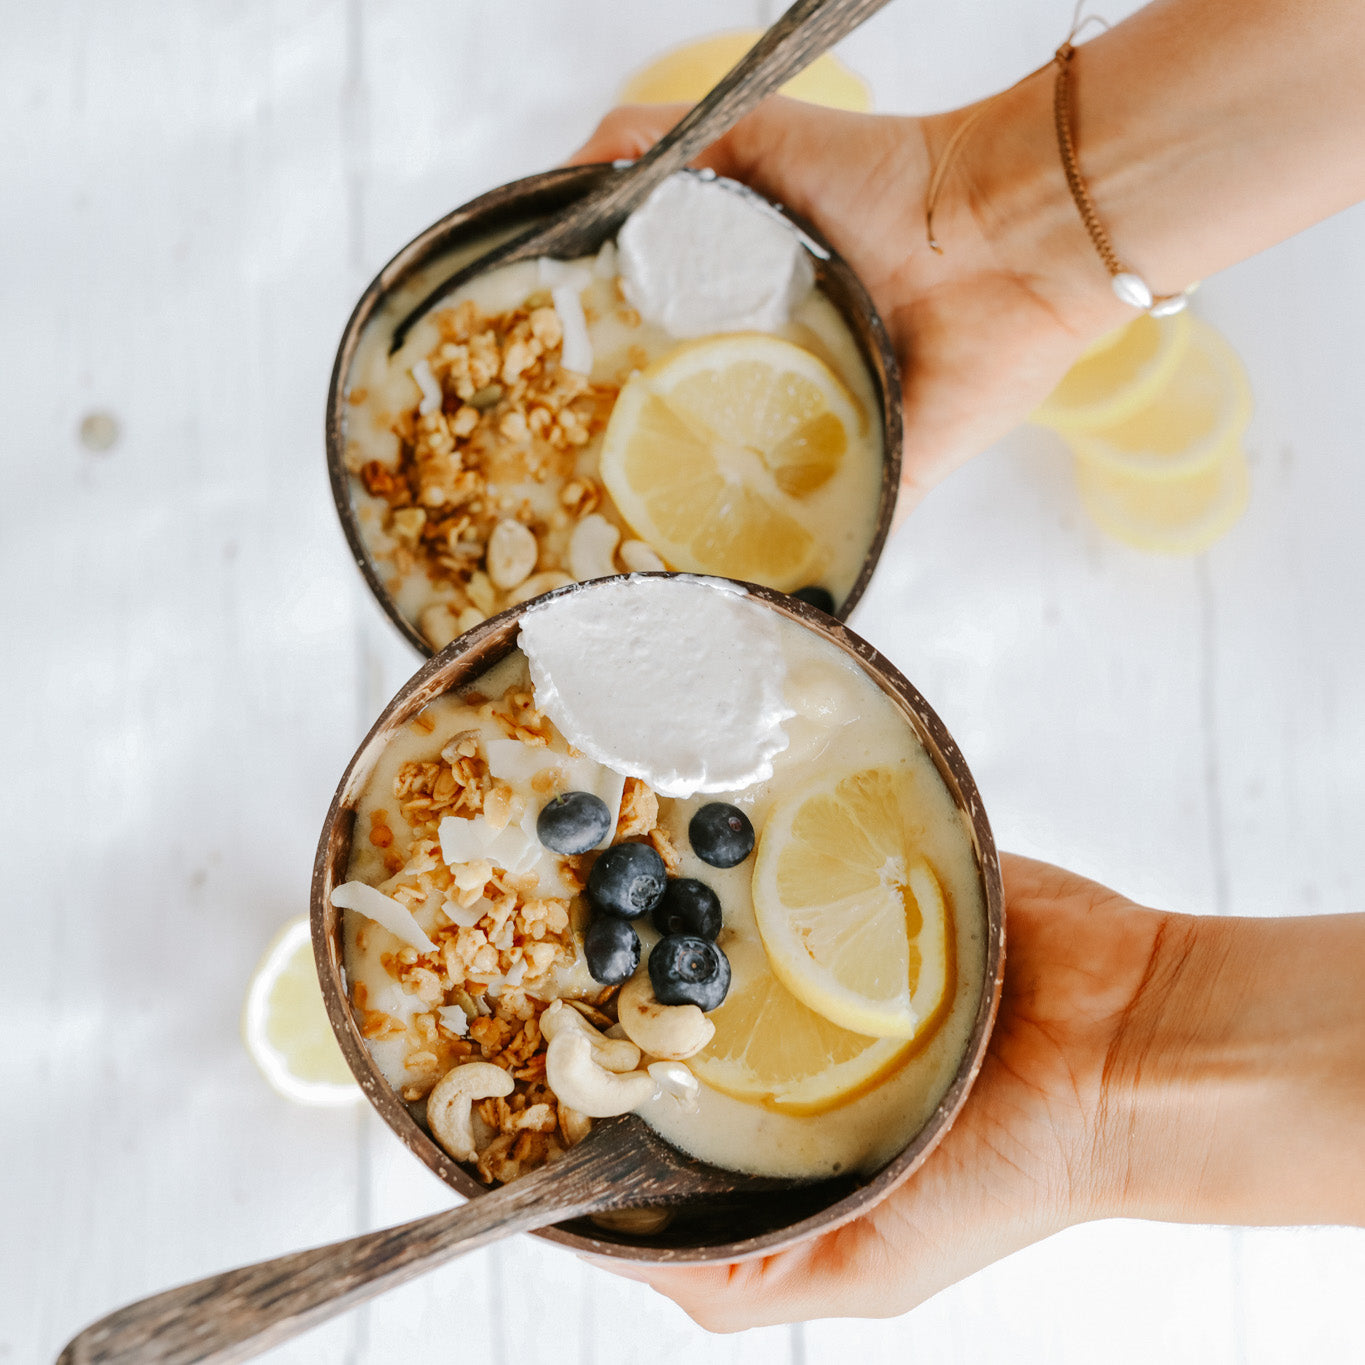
{"points": [[770, 1050], [285, 1025], [710, 452], [1167, 516], [686, 73], [1118, 376], [851, 915], [1187, 426]]}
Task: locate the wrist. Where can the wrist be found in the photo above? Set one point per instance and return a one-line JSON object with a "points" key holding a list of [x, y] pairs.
{"points": [[1235, 1084], [1008, 193]]}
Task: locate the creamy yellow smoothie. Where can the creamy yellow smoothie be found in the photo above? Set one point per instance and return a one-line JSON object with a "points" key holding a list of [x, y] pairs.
{"points": [[466, 936], [514, 443]]}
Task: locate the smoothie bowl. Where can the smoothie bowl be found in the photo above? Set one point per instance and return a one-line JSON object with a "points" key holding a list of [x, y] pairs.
{"points": [[675, 846], [711, 392]]}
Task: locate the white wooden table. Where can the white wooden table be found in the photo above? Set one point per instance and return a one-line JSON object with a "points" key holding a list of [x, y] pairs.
{"points": [[191, 196]]}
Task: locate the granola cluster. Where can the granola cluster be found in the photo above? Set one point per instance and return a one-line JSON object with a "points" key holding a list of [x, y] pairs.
{"points": [[500, 945], [509, 416]]}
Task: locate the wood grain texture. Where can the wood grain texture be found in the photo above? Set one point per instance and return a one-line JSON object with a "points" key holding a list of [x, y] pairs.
{"points": [[194, 195]]}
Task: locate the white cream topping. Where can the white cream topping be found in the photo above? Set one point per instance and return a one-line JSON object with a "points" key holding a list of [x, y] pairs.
{"points": [[678, 681], [706, 255]]}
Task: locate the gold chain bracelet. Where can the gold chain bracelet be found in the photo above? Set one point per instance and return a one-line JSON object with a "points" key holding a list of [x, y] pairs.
{"points": [[1128, 285]]}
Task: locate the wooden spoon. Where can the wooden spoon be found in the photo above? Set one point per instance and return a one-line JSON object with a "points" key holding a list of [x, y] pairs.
{"points": [[806, 30], [621, 1164]]}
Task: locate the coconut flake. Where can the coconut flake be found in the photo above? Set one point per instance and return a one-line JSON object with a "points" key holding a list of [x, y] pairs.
{"points": [[552, 273], [432, 397], [678, 1082], [604, 263], [577, 352], [509, 760], [463, 840], [453, 1018], [466, 917], [385, 911]]}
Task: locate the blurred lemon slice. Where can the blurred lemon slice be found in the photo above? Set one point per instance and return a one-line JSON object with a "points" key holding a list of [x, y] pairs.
{"points": [[285, 1025], [686, 73], [769, 1049], [1176, 516], [1205, 405], [851, 915], [1118, 376], [710, 452]]}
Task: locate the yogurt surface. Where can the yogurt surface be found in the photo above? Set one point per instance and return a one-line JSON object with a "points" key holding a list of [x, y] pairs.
{"points": [[835, 719], [495, 408]]}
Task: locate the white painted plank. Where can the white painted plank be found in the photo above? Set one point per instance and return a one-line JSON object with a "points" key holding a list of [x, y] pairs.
{"points": [[196, 194], [169, 184]]}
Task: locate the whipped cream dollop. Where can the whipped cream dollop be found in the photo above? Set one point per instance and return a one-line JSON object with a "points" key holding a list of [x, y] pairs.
{"points": [[678, 681], [707, 255]]}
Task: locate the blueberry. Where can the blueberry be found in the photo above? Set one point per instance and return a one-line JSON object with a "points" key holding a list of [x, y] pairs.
{"points": [[573, 822], [721, 835], [685, 970], [612, 950], [819, 598], [627, 881], [688, 907]]}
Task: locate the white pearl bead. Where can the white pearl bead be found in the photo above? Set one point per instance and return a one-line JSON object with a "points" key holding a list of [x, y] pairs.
{"points": [[1132, 289], [1163, 308]]}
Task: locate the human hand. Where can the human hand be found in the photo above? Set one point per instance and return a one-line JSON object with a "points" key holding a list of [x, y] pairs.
{"points": [[1030, 1153], [984, 331]]}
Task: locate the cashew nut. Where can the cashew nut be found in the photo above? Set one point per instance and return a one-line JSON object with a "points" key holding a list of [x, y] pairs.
{"points": [[672, 1032], [639, 557], [677, 1080], [480, 592], [610, 1053], [452, 1098], [591, 547], [512, 553], [439, 625], [537, 584], [634, 1222], [576, 1126], [580, 1083]]}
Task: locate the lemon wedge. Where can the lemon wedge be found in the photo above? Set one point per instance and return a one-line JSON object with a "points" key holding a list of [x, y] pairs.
{"points": [[1167, 516], [770, 1050], [1187, 426], [710, 453], [1118, 376], [686, 73], [1172, 478], [852, 917], [285, 1025]]}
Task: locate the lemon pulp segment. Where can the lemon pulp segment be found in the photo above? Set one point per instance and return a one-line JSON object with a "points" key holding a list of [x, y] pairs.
{"points": [[1117, 377], [710, 452], [285, 1025], [851, 915]]}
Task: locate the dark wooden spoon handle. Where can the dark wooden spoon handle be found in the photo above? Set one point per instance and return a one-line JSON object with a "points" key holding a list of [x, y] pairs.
{"points": [[236, 1314], [806, 30]]}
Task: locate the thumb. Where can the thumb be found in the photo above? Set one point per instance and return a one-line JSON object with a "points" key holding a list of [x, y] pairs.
{"points": [[627, 132]]}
